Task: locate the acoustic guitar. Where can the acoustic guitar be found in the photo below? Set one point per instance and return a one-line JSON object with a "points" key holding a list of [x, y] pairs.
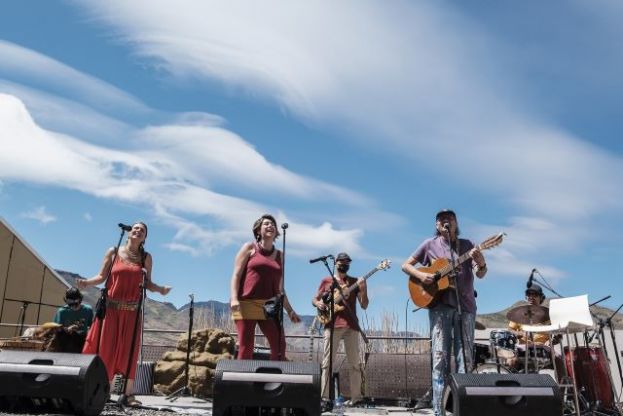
{"points": [[426, 295], [324, 316]]}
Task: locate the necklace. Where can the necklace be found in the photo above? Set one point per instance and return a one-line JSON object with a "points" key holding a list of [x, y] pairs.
{"points": [[266, 252], [133, 256]]}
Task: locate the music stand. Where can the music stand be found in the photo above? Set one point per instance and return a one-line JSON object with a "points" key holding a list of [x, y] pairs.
{"points": [[567, 315]]}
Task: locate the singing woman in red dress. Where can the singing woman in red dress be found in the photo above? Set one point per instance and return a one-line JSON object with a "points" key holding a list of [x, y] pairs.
{"points": [[257, 277], [117, 330]]}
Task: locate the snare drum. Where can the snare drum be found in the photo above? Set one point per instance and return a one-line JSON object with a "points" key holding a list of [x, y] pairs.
{"points": [[539, 357], [503, 343]]}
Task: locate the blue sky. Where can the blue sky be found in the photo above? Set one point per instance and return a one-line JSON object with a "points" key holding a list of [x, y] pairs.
{"points": [[353, 121]]}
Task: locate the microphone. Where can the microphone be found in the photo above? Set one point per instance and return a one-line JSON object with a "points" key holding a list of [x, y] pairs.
{"points": [[125, 227], [322, 258], [192, 297], [531, 278], [446, 226], [284, 225], [144, 270]]}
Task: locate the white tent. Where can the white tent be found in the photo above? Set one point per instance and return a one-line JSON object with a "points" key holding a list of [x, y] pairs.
{"points": [[30, 291]]}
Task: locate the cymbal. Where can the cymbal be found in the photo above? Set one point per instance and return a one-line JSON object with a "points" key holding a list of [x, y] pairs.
{"points": [[528, 314], [480, 326]]}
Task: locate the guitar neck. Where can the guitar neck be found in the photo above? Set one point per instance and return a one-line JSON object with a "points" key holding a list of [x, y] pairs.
{"points": [[364, 278], [460, 260]]}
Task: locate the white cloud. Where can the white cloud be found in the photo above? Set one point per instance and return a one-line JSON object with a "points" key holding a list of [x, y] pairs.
{"points": [[42, 72], [149, 175], [445, 93], [39, 214], [419, 76]]}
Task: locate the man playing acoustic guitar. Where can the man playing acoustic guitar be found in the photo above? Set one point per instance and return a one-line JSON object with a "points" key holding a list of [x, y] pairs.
{"points": [[345, 326], [442, 313]]}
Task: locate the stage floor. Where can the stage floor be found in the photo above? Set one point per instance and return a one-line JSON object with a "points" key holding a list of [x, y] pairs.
{"points": [[159, 405]]}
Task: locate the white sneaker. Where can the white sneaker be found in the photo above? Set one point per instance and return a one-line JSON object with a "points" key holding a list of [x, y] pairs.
{"points": [[353, 402]]}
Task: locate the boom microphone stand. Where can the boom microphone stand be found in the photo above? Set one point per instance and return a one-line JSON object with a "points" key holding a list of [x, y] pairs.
{"points": [[185, 391], [104, 291]]}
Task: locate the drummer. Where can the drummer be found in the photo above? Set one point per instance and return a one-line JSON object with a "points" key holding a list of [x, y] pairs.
{"points": [[534, 297], [538, 340]]}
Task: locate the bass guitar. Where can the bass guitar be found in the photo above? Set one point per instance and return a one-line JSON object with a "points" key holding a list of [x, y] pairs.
{"points": [[426, 295], [324, 316]]}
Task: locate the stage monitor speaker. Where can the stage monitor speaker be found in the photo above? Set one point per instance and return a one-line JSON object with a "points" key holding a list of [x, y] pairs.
{"points": [[246, 386], [59, 382], [495, 394]]}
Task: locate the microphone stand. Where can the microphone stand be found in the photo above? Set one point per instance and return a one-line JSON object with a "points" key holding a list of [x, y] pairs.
{"points": [[459, 310], [614, 342], [22, 312], [551, 289], [124, 380], [104, 290], [185, 391], [279, 320], [331, 305]]}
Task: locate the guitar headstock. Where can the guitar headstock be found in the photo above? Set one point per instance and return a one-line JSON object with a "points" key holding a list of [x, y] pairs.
{"points": [[384, 264], [493, 241]]}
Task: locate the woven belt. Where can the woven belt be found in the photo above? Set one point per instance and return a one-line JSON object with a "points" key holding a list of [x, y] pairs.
{"points": [[121, 305]]}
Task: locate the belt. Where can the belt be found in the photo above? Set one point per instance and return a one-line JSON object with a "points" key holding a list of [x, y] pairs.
{"points": [[121, 305]]}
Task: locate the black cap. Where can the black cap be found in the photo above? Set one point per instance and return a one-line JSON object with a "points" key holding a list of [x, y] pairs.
{"points": [[535, 288], [343, 256], [445, 211]]}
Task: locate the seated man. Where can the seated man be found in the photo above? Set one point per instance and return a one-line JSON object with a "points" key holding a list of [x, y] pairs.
{"points": [[75, 319], [534, 296], [538, 342]]}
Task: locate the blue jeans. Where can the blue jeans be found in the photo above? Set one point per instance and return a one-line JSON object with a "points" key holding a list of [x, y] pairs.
{"points": [[445, 334]]}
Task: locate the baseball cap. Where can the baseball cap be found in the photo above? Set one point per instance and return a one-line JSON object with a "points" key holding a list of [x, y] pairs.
{"points": [[535, 288], [445, 212], [343, 256]]}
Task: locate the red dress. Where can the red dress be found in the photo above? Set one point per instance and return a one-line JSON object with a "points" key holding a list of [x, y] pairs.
{"points": [[118, 328]]}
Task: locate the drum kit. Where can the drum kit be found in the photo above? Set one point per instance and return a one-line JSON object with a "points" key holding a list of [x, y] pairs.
{"points": [[504, 355]]}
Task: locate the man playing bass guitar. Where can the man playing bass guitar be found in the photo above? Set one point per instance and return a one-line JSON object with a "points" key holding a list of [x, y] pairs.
{"points": [[345, 326], [443, 317]]}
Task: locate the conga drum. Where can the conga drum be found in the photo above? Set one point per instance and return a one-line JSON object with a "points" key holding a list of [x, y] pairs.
{"points": [[591, 373]]}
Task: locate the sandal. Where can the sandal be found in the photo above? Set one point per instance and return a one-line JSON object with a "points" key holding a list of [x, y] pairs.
{"points": [[131, 401]]}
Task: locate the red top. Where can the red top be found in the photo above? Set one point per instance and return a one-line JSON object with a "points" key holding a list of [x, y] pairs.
{"points": [[118, 326], [343, 319], [262, 275]]}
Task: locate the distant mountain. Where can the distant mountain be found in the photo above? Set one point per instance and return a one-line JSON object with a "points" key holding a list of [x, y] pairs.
{"points": [[212, 313], [165, 316]]}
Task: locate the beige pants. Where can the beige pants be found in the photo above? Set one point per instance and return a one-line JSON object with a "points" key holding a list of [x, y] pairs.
{"points": [[351, 347]]}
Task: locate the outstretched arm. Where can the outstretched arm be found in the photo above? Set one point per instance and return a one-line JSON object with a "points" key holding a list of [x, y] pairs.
{"points": [[102, 275], [150, 285]]}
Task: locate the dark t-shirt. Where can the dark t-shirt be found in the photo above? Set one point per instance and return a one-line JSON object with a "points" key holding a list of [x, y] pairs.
{"points": [[438, 247], [343, 319], [83, 317]]}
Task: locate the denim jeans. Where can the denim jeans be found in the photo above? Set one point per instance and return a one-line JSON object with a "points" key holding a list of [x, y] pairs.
{"points": [[445, 337]]}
